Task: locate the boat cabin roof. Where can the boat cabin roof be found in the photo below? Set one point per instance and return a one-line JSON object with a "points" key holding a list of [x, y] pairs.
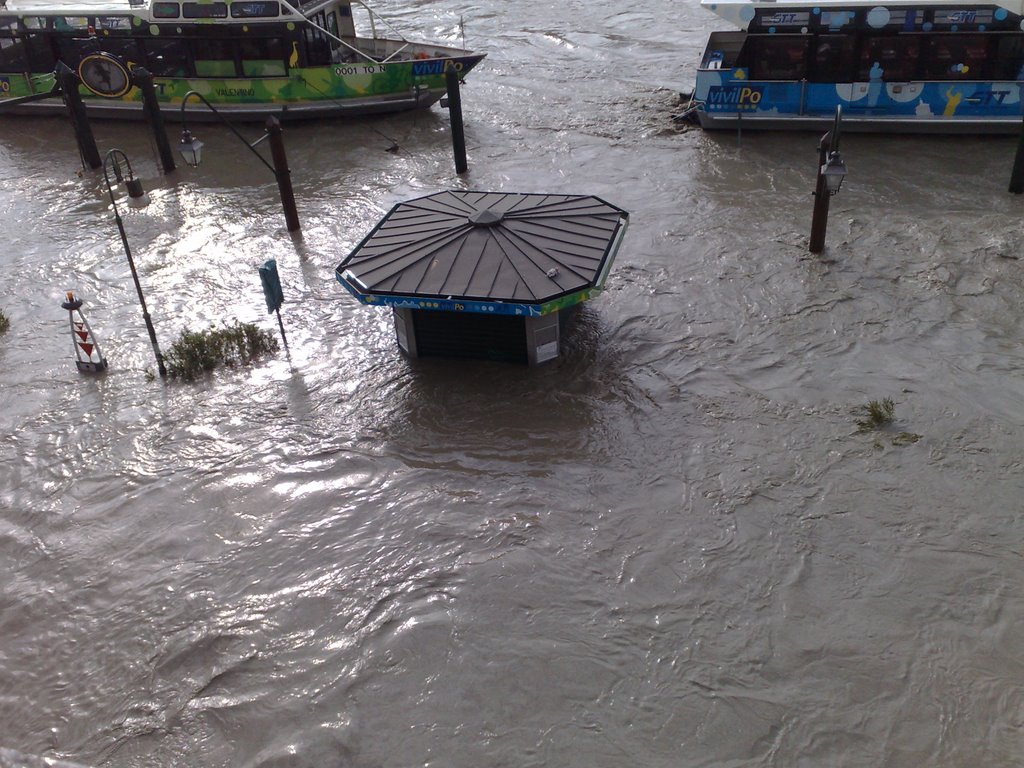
{"points": [[144, 8], [741, 12]]}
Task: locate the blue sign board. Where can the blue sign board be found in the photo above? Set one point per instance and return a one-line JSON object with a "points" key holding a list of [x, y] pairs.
{"points": [[271, 286]]}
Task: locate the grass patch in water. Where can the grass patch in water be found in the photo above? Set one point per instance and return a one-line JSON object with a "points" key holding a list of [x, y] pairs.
{"points": [[4, 322], [196, 353], [877, 414]]}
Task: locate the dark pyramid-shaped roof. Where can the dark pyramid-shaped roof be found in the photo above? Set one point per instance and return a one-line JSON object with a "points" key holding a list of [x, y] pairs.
{"points": [[487, 246]]}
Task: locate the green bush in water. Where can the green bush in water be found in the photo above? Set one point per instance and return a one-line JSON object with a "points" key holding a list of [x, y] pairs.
{"points": [[877, 414], [198, 352], [4, 322]]}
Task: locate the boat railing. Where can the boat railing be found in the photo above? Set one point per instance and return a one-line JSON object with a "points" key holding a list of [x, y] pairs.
{"points": [[354, 49], [373, 29], [373, 15]]}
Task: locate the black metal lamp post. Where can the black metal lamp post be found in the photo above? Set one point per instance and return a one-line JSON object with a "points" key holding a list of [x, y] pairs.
{"points": [[831, 172], [136, 197], [191, 150], [1017, 174]]}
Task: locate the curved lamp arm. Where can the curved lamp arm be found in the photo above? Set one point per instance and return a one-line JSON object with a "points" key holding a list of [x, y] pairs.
{"points": [[224, 120]]}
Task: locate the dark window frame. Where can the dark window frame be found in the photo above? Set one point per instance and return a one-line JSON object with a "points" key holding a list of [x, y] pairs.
{"points": [[238, 9], [214, 10]]}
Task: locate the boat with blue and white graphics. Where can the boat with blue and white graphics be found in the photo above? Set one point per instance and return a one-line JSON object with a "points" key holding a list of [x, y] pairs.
{"points": [[943, 66]]}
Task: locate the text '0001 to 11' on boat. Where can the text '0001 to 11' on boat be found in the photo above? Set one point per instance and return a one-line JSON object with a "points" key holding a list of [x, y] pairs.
{"points": [[944, 66], [249, 58]]}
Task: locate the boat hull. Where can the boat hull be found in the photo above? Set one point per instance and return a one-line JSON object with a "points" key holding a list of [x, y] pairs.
{"points": [[338, 91], [728, 100], [852, 123]]}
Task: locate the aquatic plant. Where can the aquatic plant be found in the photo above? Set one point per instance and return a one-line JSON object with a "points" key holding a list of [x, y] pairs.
{"points": [[198, 352], [906, 438], [877, 414], [4, 322]]}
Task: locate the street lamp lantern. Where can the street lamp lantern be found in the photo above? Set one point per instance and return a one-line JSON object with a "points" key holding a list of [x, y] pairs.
{"points": [[834, 172], [135, 190], [191, 148], [136, 196]]}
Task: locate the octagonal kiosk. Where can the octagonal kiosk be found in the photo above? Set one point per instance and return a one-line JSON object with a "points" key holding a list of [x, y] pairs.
{"points": [[485, 274]]}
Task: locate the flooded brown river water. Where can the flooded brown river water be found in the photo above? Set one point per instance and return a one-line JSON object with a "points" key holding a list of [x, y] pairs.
{"points": [[671, 547]]}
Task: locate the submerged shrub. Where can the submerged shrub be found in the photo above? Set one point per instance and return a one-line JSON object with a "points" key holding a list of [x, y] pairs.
{"points": [[877, 413], [198, 352], [4, 322]]}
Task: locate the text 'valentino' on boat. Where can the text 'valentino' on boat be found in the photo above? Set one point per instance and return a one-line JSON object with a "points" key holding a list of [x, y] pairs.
{"points": [[248, 58], [937, 66]]}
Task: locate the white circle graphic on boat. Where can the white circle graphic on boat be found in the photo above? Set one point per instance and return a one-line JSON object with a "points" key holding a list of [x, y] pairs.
{"points": [[878, 17]]}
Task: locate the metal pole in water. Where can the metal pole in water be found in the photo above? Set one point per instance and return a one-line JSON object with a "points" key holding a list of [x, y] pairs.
{"points": [[114, 158], [280, 325], [451, 79], [284, 178], [819, 220], [79, 119], [151, 108], [1017, 175]]}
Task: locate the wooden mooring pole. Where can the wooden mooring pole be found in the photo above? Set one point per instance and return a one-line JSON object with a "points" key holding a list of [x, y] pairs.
{"points": [[283, 174], [79, 119], [451, 79], [151, 108]]}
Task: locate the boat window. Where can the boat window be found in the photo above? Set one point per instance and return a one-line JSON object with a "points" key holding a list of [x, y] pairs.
{"points": [[833, 21], [125, 48], [167, 57], [346, 25], [957, 57], [34, 22], [776, 57], [318, 46], [832, 60], [332, 27], [72, 49], [12, 54], [955, 18], [783, 21], [1009, 58], [114, 22], [166, 10], [204, 10], [215, 57], [255, 10], [263, 57], [889, 58], [40, 53], [70, 23]]}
